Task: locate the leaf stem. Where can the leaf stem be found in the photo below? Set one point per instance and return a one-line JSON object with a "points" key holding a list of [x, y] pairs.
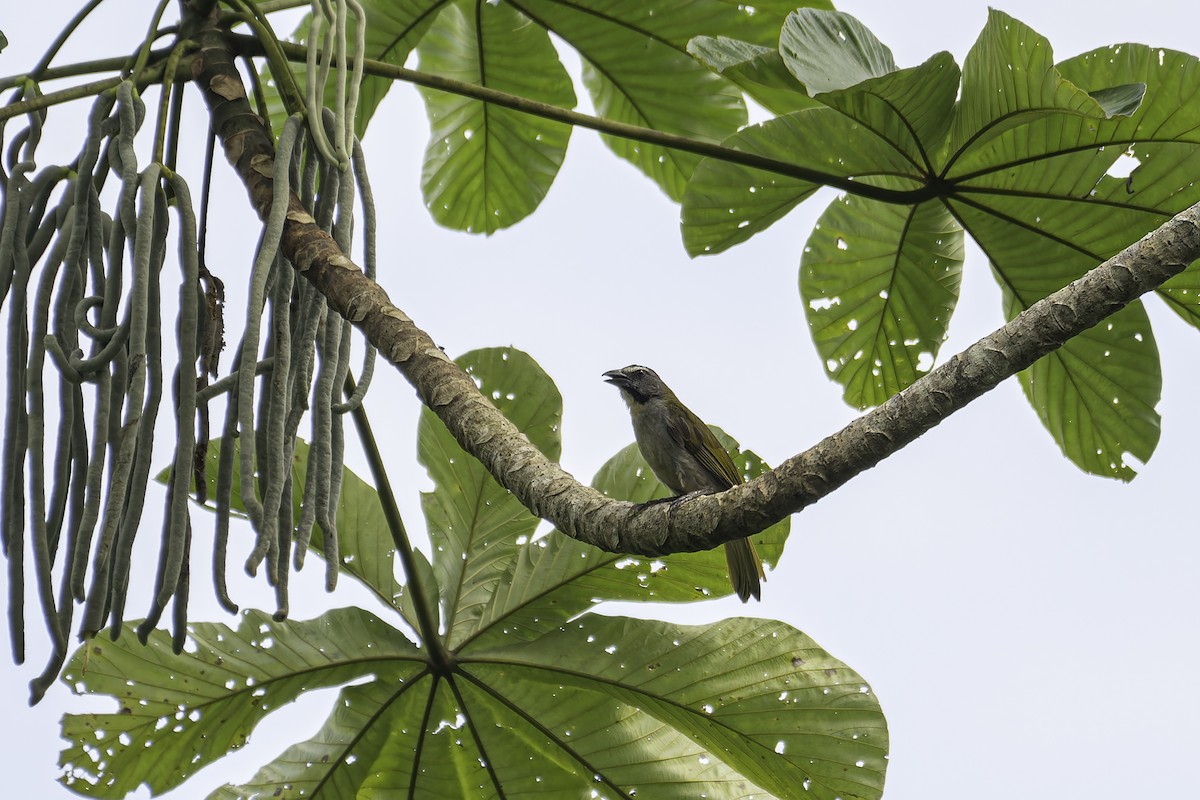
{"points": [[426, 620], [254, 46], [674, 141]]}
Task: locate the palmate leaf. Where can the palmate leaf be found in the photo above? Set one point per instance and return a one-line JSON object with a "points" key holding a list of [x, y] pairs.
{"points": [[610, 704], [1024, 163], [538, 700]]}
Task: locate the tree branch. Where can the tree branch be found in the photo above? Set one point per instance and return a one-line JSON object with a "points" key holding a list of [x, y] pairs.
{"points": [[703, 522]]}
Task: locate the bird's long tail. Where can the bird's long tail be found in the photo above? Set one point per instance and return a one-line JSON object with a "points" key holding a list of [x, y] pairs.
{"points": [[745, 569]]}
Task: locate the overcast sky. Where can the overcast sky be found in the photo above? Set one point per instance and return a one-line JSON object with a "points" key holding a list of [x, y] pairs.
{"points": [[1029, 630]]}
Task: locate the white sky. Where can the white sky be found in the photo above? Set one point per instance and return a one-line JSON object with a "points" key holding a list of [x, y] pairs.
{"points": [[1029, 630]]}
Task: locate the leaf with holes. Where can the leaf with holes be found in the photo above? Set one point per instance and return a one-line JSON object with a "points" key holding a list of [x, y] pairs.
{"points": [[1050, 168], [521, 692]]}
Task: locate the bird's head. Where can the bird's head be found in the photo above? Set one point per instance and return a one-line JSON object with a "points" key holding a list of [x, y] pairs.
{"points": [[638, 384]]}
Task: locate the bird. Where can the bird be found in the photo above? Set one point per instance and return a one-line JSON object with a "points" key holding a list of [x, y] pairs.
{"points": [[686, 456]]}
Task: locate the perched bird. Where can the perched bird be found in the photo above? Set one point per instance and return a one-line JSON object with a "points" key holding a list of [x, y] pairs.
{"points": [[686, 456]]}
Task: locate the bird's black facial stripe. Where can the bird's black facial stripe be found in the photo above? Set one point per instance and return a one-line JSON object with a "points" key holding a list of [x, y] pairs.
{"points": [[637, 396]]}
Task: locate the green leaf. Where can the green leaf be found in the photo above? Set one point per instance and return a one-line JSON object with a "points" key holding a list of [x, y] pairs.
{"points": [[831, 50], [477, 526], [758, 70], [192, 710], [488, 167], [727, 203], [770, 708], [879, 283]]}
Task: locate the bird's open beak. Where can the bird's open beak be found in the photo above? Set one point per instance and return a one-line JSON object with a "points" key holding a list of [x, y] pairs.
{"points": [[616, 377]]}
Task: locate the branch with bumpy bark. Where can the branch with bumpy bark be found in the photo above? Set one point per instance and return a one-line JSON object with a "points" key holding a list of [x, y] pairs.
{"points": [[698, 523]]}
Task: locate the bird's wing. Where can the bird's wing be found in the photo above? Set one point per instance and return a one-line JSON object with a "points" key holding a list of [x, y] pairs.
{"points": [[702, 443]]}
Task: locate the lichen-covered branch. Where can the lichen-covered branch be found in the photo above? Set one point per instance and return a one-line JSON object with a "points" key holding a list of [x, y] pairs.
{"points": [[697, 523]]}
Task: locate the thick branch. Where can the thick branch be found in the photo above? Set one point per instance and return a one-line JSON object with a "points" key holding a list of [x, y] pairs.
{"points": [[702, 522]]}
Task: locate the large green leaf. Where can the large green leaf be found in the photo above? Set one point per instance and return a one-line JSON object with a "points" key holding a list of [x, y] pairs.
{"points": [[770, 709], [1025, 162], [605, 702], [1036, 192], [534, 700], [879, 283], [488, 167]]}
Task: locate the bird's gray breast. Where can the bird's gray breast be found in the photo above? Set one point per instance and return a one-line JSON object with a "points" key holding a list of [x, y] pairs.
{"points": [[671, 461]]}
